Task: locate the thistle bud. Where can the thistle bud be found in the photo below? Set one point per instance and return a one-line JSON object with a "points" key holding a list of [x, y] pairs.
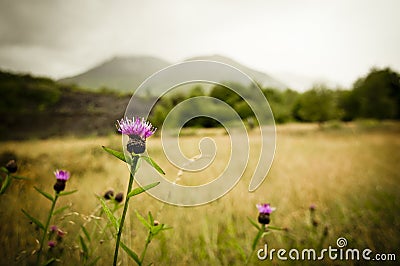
{"points": [[136, 144], [264, 211], [119, 197], [59, 185], [109, 194], [263, 218], [11, 166], [62, 176]]}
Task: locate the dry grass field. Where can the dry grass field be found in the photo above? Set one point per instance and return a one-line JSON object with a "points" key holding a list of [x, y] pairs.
{"points": [[350, 172]]}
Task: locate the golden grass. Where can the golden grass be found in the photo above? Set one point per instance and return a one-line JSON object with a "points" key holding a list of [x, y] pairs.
{"points": [[350, 173]]}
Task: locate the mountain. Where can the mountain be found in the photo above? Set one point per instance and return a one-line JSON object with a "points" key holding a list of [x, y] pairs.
{"points": [[121, 73], [261, 78], [127, 73]]}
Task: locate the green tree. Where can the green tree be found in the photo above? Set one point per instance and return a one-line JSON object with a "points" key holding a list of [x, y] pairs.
{"points": [[377, 95], [317, 105]]}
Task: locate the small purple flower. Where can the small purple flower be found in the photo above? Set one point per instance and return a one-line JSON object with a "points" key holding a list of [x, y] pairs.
{"points": [[136, 127], [312, 207], [265, 208], [52, 243], [138, 131], [61, 175], [53, 228]]}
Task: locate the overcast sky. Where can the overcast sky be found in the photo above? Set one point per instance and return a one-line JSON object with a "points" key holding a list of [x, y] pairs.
{"points": [[336, 40]]}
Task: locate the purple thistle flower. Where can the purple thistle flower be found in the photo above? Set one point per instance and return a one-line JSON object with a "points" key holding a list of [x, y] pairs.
{"points": [[138, 131], [53, 228], [52, 243], [265, 208], [136, 127], [61, 175]]}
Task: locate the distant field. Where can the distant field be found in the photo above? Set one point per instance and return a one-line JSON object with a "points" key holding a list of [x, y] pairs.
{"points": [[350, 172]]}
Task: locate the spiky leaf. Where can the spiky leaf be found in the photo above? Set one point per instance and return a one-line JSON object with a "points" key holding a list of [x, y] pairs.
{"points": [[131, 253], [151, 219], [65, 193], [19, 177], [153, 164], [5, 185], [115, 153], [139, 190], [45, 194], [254, 223], [143, 220], [109, 214], [3, 169], [275, 228], [256, 239], [60, 210], [33, 219]]}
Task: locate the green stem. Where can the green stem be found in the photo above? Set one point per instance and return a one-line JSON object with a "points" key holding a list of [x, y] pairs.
{"points": [[148, 240], [131, 177], [256, 239], [46, 227]]}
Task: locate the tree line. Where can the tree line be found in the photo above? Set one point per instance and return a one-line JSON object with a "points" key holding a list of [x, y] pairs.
{"points": [[374, 96]]}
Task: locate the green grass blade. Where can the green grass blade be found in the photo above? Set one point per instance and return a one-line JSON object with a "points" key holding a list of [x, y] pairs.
{"points": [[86, 233], [276, 228], [45, 194], [65, 193], [33, 219], [49, 262], [154, 164], [94, 261], [19, 177], [115, 153], [84, 248], [109, 214], [131, 253], [139, 190]]}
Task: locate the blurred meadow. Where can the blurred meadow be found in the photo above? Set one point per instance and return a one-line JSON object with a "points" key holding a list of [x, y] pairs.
{"points": [[349, 171]]}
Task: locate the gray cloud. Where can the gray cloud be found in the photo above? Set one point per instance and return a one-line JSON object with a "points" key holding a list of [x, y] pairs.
{"points": [[338, 39]]}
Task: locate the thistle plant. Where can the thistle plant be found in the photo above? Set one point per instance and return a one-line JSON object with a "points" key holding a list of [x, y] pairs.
{"points": [[9, 170], [138, 130], [263, 227], [62, 177]]}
